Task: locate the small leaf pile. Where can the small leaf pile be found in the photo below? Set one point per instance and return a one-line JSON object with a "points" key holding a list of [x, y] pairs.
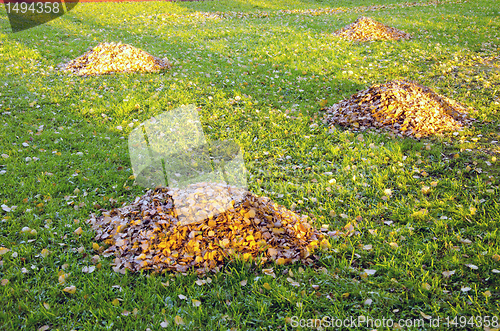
{"points": [[403, 107], [147, 235], [111, 57], [367, 29]]}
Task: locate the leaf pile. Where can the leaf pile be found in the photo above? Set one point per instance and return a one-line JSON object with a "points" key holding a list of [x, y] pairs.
{"points": [[111, 57], [367, 29], [148, 235], [402, 107]]}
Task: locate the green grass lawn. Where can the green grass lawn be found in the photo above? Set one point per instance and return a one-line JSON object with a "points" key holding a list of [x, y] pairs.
{"points": [[260, 72]]}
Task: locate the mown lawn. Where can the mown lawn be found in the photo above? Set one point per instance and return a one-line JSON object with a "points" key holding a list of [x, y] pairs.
{"points": [[260, 71]]}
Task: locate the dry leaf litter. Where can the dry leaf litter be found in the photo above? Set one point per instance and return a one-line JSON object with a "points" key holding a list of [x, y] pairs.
{"points": [[403, 107], [367, 29], [111, 57], [147, 235]]}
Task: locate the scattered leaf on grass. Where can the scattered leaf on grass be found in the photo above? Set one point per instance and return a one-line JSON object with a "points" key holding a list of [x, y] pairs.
{"points": [[449, 273], [426, 286], [164, 324], [178, 320], [3, 250], [44, 328], [70, 289], [196, 303], [45, 252], [46, 305], [243, 282], [472, 266], [78, 231], [4, 282], [370, 271], [267, 286], [424, 315], [487, 294]]}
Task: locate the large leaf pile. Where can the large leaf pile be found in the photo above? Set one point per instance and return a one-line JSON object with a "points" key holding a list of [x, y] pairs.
{"points": [[366, 29], [111, 57], [148, 235], [403, 107]]}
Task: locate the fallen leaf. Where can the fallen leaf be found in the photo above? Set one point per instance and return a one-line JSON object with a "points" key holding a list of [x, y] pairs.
{"points": [[164, 324], [370, 271], [4, 282], [448, 274], [243, 282], [472, 266], [78, 231], [487, 294], [45, 252], [70, 289], [3, 250], [426, 286], [267, 286], [178, 320], [424, 315], [88, 270], [196, 303]]}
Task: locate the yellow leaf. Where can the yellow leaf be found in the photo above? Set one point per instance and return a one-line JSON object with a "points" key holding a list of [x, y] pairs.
{"points": [[426, 286], [496, 257], [115, 302], [267, 286], [70, 289], [45, 252], [62, 278], [345, 295], [394, 245], [426, 190], [487, 294], [280, 261], [46, 305], [3, 250], [425, 315], [178, 320], [196, 303], [78, 231], [95, 246]]}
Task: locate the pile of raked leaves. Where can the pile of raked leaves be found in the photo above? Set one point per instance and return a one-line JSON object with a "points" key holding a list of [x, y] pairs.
{"points": [[402, 107], [367, 29], [111, 58], [147, 234]]}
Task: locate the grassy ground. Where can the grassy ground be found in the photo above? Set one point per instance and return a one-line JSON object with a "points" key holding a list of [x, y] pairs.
{"points": [[260, 72]]}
